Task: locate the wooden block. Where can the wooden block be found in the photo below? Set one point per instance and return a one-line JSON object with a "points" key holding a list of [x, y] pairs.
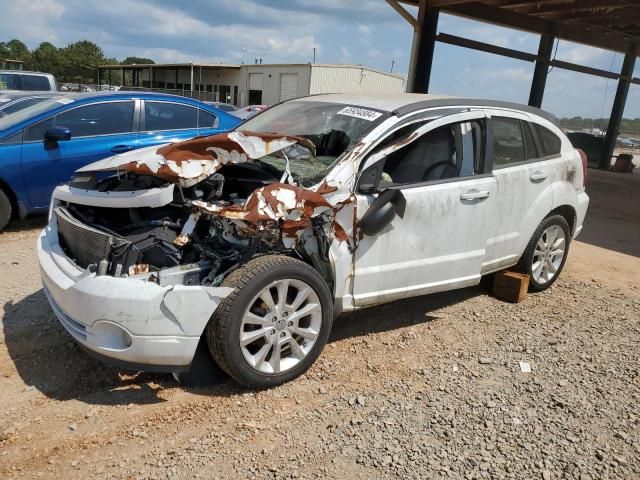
{"points": [[510, 286]]}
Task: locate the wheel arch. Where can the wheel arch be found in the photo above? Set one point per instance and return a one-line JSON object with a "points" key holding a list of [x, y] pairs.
{"points": [[569, 214], [13, 198]]}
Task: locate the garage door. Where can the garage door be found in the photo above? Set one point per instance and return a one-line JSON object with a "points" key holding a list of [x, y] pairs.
{"points": [[255, 81], [288, 86]]}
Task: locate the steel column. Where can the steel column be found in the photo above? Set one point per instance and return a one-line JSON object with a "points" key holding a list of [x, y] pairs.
{"points": [[192, 80], [618, 108], [545, 49], [425, 47]]}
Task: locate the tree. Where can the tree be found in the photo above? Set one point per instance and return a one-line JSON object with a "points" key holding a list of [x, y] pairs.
{"points": [[137, 60], [46, 58], [79, 61], [15, 50]]}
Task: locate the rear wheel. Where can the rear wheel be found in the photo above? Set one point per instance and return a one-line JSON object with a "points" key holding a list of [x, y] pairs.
{"points": [[5, 210], [274, 324], [546, 253]]}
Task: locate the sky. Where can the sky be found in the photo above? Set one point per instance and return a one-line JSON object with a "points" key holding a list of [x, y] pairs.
{"points": [[364, 32]]}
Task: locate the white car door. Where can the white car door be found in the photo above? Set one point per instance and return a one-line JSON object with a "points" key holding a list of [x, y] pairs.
{"points": [[439, 243], [524, 195]]}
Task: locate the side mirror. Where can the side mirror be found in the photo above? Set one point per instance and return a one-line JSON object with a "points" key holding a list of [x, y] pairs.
{"points": [[57, 134], [382, 212]]}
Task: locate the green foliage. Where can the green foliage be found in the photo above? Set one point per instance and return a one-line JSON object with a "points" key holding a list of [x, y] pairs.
{"points": [[15, 50], [137, 60], [75, 63], [629, 126]]}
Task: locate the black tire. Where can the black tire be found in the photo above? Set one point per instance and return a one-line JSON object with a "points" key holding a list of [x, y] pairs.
{"points": [[223, 330], [526, 262], [5, 210]]}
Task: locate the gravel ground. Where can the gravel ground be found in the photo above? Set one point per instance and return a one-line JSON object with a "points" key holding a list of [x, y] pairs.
{"points": [[431, 387]]}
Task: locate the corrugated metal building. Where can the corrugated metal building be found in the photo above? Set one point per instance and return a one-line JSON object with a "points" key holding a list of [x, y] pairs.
{"points": [[252, 84], [270, 84]]}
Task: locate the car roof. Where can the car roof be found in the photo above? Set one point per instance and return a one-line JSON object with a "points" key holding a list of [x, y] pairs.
{"points": [[131, 94], [401, 104], [25, 72], [13, 94]]}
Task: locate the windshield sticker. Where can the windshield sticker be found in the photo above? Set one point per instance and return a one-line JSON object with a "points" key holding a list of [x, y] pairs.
{"points": [[362, 113]]}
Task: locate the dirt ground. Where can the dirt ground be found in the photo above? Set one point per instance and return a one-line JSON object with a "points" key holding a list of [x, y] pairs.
{"points": [[425, 388]]}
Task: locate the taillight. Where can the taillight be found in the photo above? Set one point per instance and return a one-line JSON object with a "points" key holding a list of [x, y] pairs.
{"points": [[583, 157]]}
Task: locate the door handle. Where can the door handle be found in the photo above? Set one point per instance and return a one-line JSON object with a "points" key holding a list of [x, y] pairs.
{"points": [[122, 148], [538, 176], [475, 195]]}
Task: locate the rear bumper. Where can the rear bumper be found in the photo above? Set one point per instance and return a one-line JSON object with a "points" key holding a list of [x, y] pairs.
{"points": [[581, 212], [131, 322]]}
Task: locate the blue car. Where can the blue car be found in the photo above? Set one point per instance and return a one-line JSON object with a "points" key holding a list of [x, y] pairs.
{"points": [[41, 146]]}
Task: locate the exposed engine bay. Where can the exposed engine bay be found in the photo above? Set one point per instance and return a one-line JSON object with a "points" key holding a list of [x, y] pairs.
{"points": [[227, 208]]}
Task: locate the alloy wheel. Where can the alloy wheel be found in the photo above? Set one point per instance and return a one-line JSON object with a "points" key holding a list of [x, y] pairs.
{"points": [[280, 326], [548, 254]]}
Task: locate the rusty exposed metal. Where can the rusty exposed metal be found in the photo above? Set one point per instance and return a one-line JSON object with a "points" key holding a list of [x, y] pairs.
{"points": [[139, 269], [292, 207], [188, 163]]}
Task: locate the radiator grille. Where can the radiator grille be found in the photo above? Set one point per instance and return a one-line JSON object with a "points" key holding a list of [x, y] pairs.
{"points": [[86, 245]]}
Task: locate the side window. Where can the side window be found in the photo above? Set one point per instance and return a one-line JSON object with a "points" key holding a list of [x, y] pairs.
{"points": [[13, 139], [10, 82], [450, 151], [551, 143], [35, 133], [169, 116], [508, 141], [207, 120], [99, 119]]}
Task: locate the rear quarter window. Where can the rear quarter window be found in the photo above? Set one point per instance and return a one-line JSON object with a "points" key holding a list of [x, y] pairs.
{"points": [[35, 83], [549, 141]]}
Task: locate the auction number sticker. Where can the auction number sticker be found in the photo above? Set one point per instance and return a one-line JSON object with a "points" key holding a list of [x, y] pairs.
{"points": [[362, 113]]}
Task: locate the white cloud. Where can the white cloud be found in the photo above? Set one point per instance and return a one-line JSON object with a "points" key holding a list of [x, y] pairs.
{"points": [[373, 53], [345, 55], [32, 22]]}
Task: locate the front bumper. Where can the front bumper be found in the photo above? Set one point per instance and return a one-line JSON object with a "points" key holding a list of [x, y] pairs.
{"points": [[132, 322]]}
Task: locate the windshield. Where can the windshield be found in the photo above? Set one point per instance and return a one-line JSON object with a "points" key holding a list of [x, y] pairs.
{"points": [[332, 127], [19, 116], [20, 105]]}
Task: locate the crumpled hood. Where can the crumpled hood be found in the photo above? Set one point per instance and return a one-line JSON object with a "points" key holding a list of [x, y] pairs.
{"points": [[188, 163]]}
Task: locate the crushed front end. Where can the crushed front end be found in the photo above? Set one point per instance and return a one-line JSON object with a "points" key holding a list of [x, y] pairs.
{"points": [[138, 245]]}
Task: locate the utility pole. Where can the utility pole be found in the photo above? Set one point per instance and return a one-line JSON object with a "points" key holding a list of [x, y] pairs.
{"points": [[314, 54]]}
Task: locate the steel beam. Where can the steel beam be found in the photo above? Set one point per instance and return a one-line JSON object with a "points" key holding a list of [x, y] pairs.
{"points": [[425, 47], [618, 108], [545, 49], [485, 47]]}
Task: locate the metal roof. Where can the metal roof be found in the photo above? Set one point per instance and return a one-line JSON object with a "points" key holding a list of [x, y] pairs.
{"points": [[170, 65], [609, 24]]}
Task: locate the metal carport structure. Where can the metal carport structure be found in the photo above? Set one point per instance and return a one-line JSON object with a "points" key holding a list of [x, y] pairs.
{"points": [[609, 24]]}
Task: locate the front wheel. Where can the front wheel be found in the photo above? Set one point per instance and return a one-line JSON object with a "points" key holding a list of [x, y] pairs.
{"points": [[546, 254], [274, 324]]}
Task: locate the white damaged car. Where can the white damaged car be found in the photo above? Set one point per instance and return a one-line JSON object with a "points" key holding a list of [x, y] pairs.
{"points": [[257, 238]]}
